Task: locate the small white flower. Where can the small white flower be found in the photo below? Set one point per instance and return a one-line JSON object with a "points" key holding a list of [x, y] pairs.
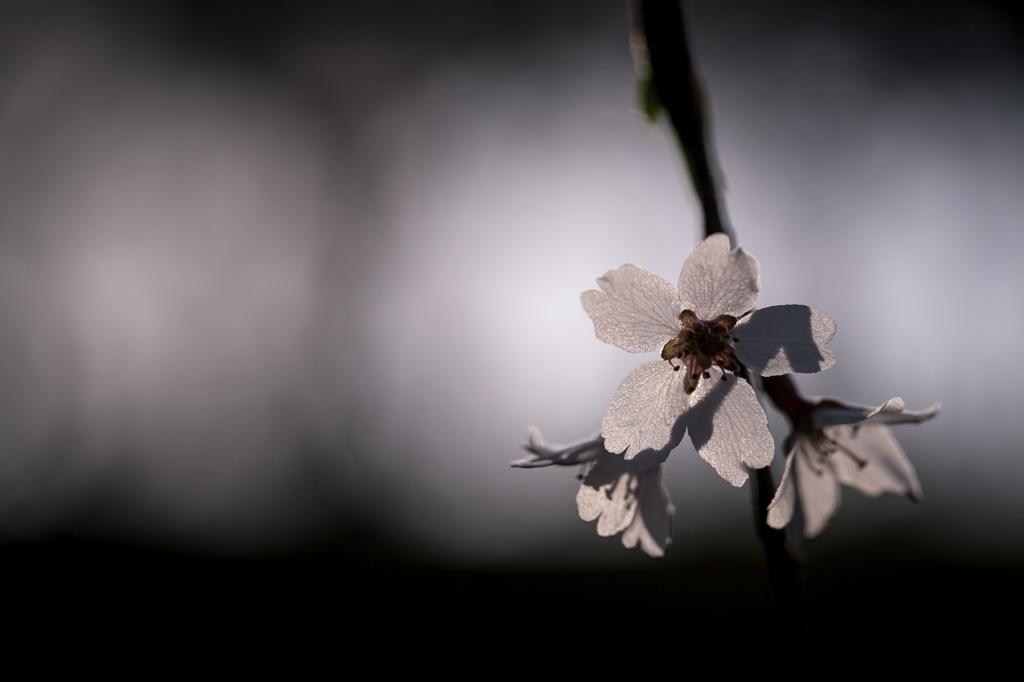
{"points": [[703, 329], [635, 504], [852, 446]]}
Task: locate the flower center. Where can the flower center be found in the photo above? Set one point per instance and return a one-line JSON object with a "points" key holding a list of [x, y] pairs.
{"points": [[700, 345]]}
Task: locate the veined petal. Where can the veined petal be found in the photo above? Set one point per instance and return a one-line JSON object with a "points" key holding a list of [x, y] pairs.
{"points": [[780, 511], [635, 309], [644, 414], [609, 494], [652, 523], [905, 417], [546, 454], [783, 339], [728, 427], [718, 281], [885, 467], [819, 492]]}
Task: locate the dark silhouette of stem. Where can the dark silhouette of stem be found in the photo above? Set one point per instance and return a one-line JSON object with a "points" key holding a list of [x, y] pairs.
{"points": [[679, 92]]}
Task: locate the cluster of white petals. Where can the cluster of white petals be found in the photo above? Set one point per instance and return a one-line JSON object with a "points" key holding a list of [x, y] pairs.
{"points": [[841, 445], [635, 504], [657, 404]]}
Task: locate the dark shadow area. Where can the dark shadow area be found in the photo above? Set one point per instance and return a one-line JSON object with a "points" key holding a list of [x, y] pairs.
{"points": [[786, 328], [701, 416], [860, 601]]}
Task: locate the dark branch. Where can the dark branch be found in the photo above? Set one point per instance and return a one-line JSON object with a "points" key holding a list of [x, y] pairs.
{"points": [[679, 92]]}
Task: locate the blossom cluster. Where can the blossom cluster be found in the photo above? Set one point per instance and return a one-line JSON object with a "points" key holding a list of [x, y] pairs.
{"points": [[706, 331]]}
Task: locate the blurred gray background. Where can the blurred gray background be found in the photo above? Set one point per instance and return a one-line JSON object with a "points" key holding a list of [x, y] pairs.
{"points": [[274, 273]]}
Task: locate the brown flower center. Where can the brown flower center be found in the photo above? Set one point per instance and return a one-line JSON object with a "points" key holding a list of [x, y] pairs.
{"points": [[700, 345]]}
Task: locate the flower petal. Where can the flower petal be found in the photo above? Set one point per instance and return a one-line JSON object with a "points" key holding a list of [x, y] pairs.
{"points": [[718, 281], [831, 416], [780, 511], [644, 414], [905, 417], [785, 338], [886, 468], [821, 417], [546, 454], [635, 309], [609, 494], [819, 492], [652, 524], [728, 427], [890, 406]]}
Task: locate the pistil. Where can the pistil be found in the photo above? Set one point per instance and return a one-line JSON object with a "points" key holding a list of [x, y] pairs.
{"points": [[701, 345]]}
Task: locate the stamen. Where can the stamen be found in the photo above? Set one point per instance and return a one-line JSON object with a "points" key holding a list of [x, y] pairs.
{"points": [[861, 463], [822, 444], [817, 470], [700, 346]]}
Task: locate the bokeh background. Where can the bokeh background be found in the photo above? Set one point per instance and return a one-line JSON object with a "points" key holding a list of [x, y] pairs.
{"points": [[283, 284]]}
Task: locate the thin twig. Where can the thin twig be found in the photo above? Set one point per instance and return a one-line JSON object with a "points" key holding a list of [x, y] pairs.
{"points": [[680, 92]]}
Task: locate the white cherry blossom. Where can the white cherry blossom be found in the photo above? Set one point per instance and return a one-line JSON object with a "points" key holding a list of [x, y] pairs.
{"points": [[704, 331], [840, 445], [633, 503]]}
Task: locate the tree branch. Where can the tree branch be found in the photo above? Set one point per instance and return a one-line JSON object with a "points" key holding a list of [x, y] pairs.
{"points": [[678, 89]]}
